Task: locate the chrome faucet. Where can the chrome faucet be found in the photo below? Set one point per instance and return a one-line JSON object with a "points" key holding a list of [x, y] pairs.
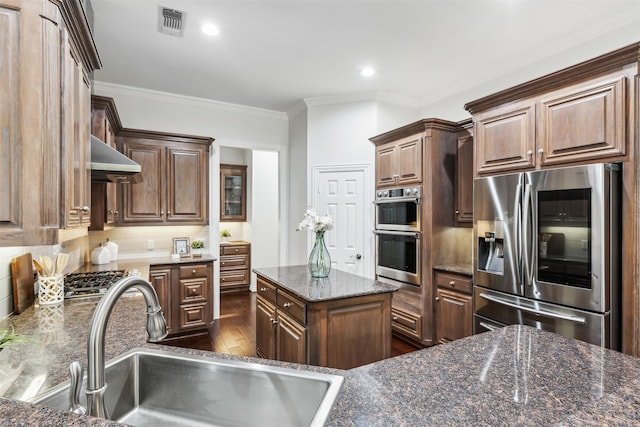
{"points": [[156, 328]]}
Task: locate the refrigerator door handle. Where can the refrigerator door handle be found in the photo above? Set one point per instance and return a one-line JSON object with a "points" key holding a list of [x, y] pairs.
{"points": [[534, 310], [527, 238], [517, 231]]}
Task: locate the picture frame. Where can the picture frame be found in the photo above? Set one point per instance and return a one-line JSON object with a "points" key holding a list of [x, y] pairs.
{"points": [[182, 246]]}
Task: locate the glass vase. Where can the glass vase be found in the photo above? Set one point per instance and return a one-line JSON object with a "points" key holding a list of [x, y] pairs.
{"points": [[319, 259]]}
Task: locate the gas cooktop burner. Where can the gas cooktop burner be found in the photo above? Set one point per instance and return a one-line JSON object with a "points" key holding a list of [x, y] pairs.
{"points": [[91, 283]]}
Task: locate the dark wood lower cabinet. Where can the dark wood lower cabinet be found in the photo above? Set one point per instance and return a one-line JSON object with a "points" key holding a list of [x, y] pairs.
{"points": [[185, 291], [341, 333], [454, 306]]}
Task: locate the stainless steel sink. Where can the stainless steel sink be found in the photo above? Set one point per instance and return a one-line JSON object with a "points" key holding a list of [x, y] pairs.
{"points": [[161, 388]]}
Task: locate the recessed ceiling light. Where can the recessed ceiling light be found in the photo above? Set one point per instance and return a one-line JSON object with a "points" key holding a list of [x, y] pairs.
{"points": [[367, 72], [210, 30]]}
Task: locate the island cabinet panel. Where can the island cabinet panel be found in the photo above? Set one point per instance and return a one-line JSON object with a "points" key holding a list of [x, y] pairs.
{"points": [[339, 333], [291, 340], [185, 291], [175, 186], [265, 329], [361, 329]]}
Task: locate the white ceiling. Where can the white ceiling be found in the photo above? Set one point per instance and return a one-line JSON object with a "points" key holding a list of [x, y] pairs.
{"points": [[272, 54]]}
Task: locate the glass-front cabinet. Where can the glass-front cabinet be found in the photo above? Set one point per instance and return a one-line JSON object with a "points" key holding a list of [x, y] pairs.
{"points": [[233, 192]]}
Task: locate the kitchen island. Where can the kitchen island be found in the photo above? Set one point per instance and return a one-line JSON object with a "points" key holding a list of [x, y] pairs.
{"points": [[512, 376], [341, 321]]}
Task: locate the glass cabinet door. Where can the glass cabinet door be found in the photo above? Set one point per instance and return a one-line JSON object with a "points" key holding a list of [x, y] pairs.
{"points": [[233, 192]]}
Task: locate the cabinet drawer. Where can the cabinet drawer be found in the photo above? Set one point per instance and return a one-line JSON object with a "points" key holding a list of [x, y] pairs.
{"points": [[292, 306], [193, 290], [193, 316], [456, 282], [193, 270], [229, 262], [234, 249], [234, 277], [266, 290], [406, 323]]}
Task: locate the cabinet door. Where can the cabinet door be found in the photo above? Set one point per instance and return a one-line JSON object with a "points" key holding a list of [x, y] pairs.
{"points": [[454, 315], [233, 192], [76, 150], [505, 140], [586, 122], [161, 281], [30, 169], [409, 152], [386, 165], [464, 180], [265, 329], [144, 202], [111, 197], [186, 189], [291, 340]]}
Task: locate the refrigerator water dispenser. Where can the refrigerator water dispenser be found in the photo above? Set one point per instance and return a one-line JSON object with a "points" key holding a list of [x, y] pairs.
{"points": [[491, 247]]}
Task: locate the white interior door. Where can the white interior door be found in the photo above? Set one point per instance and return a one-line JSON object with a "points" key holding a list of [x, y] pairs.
{"points": [[341, 193]]}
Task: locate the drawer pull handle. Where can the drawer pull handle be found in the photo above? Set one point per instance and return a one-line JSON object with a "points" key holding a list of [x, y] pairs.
{"points": [[287, 304], [193, 272], [437, 299], [236, 250], [394, 318], [263, 289], [452, 283]]}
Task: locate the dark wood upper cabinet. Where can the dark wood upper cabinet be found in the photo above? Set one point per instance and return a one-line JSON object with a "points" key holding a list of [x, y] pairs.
{"points": [[105, 125], [233, 192], [464, 177], [399, 162], [47, 54], [175, 178]]}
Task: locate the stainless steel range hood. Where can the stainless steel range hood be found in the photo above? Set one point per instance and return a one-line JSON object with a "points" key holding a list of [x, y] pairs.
{"points": [[109, 165]]}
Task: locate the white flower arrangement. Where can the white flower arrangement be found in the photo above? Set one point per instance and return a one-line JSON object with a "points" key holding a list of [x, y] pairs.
{"points": [[314, 222]]}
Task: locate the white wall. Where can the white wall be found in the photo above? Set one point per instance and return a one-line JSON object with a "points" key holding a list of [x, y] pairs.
{"points": [[297, 187], [265, 222]]}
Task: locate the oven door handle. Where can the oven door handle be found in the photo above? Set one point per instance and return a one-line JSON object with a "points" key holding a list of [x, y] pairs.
{"points": [[398, 233], [533, 310], [416, 200]]}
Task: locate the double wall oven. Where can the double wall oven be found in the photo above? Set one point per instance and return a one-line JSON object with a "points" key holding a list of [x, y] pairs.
{"points": [[398, 234]]}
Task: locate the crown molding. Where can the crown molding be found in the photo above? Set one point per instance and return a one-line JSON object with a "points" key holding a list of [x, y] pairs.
{"points": [[110, 88]]}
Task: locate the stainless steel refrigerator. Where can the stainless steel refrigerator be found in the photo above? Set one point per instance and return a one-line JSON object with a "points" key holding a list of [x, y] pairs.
{"points": [[547, 252]]}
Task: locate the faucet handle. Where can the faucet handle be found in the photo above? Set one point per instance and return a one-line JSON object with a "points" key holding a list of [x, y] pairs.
{"points": [[75, 376]]}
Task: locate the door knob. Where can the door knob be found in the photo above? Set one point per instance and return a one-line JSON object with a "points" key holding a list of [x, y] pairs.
{"points": [[358, 256]]}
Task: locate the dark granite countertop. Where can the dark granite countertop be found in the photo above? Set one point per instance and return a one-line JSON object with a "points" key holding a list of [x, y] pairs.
{"points": [[141, 264], [466, 269], [512, 376], [338, 285]]}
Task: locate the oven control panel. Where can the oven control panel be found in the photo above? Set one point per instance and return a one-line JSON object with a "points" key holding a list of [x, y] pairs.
{"points": [[398, 193]]}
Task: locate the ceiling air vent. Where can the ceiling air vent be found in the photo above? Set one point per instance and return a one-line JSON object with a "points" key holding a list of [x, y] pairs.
{"points": [[171, 21]]}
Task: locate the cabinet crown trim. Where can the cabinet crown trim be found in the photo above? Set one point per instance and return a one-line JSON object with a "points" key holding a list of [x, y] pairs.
{"points": [[165, 136], [414, 128], [570, 75], [109, 106]]}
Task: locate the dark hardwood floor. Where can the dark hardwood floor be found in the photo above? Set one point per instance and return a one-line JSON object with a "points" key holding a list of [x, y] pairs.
{"points": [[235, 331]]}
